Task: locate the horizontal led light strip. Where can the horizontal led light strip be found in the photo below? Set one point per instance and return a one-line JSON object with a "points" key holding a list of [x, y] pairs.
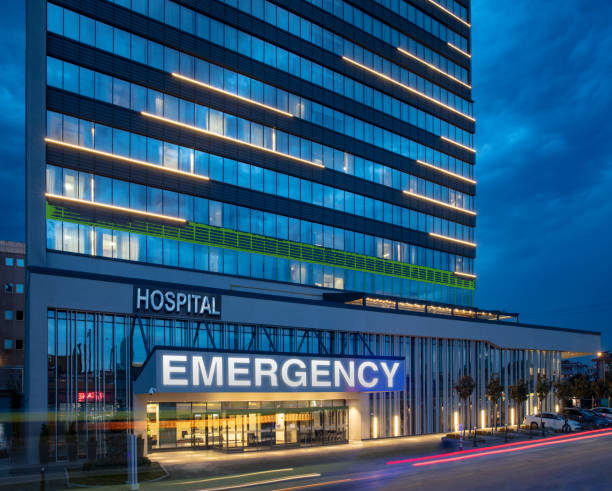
{"points": [[126, 159], [114, 208], [450, 13], [465, 275], [444, 237], [229, 138], [459, 50], [404, 52], [405, 87], [441, 203], [465, 147], [236, 96], [447, 172]]}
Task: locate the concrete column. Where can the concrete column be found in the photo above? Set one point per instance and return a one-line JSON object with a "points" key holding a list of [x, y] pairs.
{"points": [[139, 410], [354, 419], [364, 403]]}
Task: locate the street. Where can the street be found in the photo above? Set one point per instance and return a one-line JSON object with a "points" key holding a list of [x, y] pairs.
{"points": [[558, 462]]}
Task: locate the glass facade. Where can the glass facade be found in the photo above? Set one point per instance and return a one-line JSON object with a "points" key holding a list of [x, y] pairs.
{"points": [[434, 197], [89, 373]]}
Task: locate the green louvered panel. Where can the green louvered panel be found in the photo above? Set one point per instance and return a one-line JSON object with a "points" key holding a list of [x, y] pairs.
{"points": [[242, 241]]}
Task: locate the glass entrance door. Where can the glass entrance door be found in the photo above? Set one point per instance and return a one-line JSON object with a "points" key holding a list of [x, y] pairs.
{"points": [[173, 425]]}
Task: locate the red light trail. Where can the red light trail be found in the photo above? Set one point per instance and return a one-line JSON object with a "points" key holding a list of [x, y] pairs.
{"points": [[505, 448]]}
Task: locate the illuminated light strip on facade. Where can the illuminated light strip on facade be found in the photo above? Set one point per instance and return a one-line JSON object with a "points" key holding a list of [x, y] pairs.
{"points": [[443, 171], [126, 159], [464, 53], [458, 241], [114, 208], [404, 52], [405, 87], [469, 149], [465, 275], [450, 13], [441, 203], [236, 96], [229, 138]]}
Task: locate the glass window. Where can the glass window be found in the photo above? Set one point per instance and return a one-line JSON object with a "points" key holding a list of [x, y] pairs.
{"points": [[8, 261], [71, 24], [8, 315], [8, 344], [55, 19], [104, 37], [54, 72], [20, 263]]}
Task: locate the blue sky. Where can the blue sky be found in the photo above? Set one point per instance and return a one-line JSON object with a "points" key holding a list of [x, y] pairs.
{"points": [[542, 78]]}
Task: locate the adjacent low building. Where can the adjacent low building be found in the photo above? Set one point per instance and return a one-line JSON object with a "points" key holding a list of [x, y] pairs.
{"points": [[12, 315]]}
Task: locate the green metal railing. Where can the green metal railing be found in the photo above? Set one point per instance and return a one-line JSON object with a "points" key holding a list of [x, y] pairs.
{"points": [[198, 233]]}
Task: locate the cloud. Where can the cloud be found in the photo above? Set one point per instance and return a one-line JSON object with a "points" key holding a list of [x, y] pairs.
{"points": [[12, 120], [541, 80]]}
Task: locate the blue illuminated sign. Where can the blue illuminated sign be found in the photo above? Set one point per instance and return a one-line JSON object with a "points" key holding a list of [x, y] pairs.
{"points": [[196, 371]]}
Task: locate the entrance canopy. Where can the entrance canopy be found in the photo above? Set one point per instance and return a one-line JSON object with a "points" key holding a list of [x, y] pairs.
{"points": [[172, 370]]}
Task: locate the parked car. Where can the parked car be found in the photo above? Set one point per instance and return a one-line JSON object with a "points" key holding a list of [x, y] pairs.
{"points": [[552, 421], [587, 419], [606, 421], [605, 412]]}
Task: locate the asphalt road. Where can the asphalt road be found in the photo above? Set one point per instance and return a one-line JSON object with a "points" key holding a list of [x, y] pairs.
{"points": [[581, 464]]}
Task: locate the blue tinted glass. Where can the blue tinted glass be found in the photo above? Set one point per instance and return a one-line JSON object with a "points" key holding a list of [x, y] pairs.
{"points": [[104, 36], [55, 19], [54, 72], [86, 82]]}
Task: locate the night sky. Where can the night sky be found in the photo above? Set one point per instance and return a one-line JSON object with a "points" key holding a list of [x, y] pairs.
{"points": [[542, 85]]}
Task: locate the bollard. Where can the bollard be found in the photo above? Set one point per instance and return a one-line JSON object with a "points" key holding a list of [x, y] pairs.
{"points": [[543, 428], [42, 478], [460, 437], [475, 445]]}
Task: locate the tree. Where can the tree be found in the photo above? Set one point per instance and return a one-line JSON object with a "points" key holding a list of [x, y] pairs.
{"points": [[519, 394], [465, 387], [581, 387], [564, 390], [543, 387], [494, 392], [599, 389]]}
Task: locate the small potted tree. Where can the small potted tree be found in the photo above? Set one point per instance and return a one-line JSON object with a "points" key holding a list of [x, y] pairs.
{"points": [[519, 394], [465, 387], [494, 392]]}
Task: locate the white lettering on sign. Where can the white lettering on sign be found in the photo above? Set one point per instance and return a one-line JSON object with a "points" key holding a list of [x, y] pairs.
{"points": [[269, 372], [319, 368], [233, 370], [361, 374], [389, 372], [168, 369], [198, 369], [299, 377], [275, 373], [176, 302]]}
